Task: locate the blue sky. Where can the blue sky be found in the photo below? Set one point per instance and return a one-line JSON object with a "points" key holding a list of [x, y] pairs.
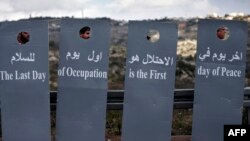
{"points": [[119, 9]]}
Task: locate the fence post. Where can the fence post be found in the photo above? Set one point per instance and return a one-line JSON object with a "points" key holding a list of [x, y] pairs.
{"points": [[149, 81], [219, 77], [82, 89], [24, 81]]}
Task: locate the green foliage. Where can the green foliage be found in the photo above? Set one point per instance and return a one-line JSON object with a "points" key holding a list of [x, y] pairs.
{"points": [[182, 122], [114, 122]]}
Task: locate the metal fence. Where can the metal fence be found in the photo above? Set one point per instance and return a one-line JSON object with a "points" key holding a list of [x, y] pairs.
{"points": [[183, 99]]}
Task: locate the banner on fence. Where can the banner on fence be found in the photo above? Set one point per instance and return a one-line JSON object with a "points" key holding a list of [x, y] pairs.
{"points": [[219, 77], [149, 81], [24, 81], [83, 72]]}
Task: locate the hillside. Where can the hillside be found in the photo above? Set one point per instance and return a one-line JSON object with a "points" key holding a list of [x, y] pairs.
{"points": [[186, 49]]}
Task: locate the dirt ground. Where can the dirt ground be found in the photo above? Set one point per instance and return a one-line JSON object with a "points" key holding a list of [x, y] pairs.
{"points": [[174, 138], [118, 138]]}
